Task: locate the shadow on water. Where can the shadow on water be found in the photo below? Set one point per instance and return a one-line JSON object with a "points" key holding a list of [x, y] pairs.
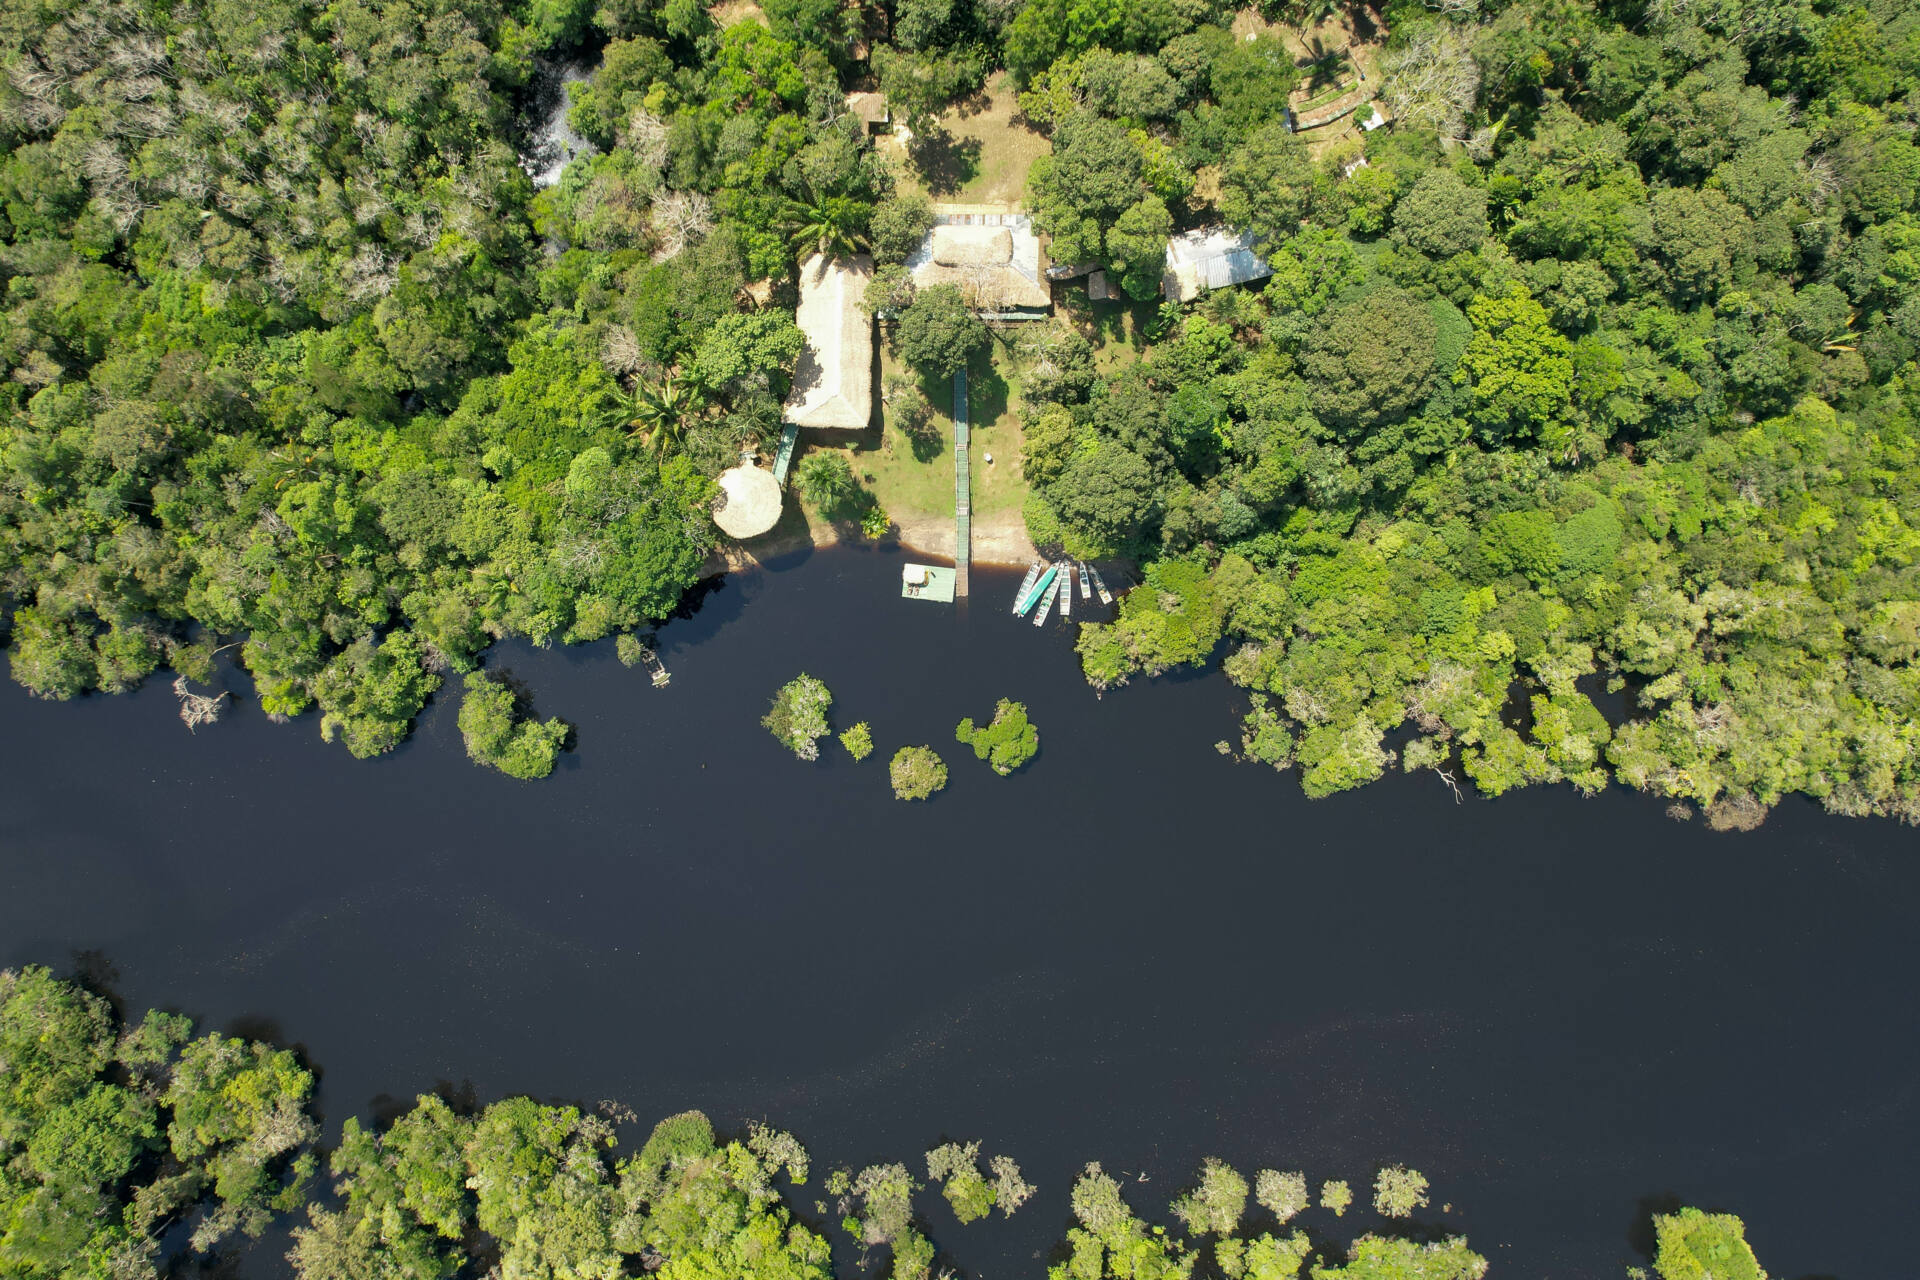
{"points": [[1640, 1235], [97, 974]]}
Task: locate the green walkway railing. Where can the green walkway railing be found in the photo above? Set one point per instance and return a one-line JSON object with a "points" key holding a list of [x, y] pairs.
{"points": [[962, 488], [784, 459]]}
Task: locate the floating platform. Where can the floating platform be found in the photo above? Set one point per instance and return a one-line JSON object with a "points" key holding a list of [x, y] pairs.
{"points": [[928, 582]]}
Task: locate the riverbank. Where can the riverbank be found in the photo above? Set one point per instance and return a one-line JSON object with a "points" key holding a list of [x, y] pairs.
{"points": [[998, 539], [879, 977]]}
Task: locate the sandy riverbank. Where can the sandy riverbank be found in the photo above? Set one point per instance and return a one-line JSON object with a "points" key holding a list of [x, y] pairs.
{"points": [[998, 540]]}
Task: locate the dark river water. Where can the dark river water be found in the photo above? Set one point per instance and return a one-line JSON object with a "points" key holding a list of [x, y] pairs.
{"points": [[1564, 1011]]}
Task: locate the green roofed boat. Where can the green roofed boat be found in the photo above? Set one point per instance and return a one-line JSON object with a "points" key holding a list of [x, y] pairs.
{"points": [[1026, 585], [1038, 589]]}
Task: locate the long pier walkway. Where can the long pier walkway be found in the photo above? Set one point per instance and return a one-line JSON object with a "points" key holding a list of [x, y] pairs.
{"points": [[962, 488]]}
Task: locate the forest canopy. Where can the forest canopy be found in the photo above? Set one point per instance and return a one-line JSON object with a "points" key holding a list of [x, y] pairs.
{"points": [[1571, 438], [112, 1136]]}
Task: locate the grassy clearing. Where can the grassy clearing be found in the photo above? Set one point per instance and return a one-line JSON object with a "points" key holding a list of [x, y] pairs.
{"points": [[913, 477], [1117, 330], [980, 156]]}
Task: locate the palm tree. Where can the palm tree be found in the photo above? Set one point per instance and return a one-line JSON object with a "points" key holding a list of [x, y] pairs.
{"points": [[833, 225], [658, 413]]}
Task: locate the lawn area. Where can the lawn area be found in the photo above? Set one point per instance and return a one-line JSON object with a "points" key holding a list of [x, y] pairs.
{"points": [[980, 156], [913, 478], [1117, 330]]}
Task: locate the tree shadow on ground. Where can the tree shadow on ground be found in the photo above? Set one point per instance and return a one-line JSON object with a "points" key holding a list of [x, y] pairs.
{"points": [[922, 424], [979, 102], [945, 163], [987, 390]]}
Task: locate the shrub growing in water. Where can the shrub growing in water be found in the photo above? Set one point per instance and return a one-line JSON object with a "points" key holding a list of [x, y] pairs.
{"points": [[799, 715], [496, 737], [917, 773], [1335, 1195], [1398, 1191], [1009, 742], [956, 1166], [858, 741]]}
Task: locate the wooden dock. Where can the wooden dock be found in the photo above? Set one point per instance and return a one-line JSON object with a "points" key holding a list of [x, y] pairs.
{"points": [[962, 488]]}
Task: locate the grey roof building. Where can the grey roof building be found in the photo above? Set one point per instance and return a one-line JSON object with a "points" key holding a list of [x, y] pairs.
{"points": [[1210, 258]]}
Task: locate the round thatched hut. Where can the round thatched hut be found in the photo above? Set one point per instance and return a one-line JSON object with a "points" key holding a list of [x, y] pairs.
{"points": [[749, 501]]}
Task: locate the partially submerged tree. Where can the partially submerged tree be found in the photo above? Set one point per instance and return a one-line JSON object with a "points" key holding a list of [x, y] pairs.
{"points": [[1398, 1191], [798, 718], [916, 772], [1008, 742], [499, 735]]}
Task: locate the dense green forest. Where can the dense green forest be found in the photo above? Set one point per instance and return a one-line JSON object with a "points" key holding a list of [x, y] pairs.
{"points": [[1598, 378], [111, 1137]]}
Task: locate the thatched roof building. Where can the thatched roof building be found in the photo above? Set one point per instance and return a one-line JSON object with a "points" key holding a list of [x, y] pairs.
{"points": [[1210, 258], [833, 381], [994, 258], [748, 503]]}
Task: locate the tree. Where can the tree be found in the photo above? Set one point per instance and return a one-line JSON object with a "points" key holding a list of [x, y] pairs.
{"points": [[1267, 183], [497, 736], [937, 334], [1703, 1246], [1214, 1207], [957, 1168], [1010, 1189], [1378, 1258], [746, 351], [1370, 362], [825, 479], [370, 694], [1442, 215], [1520, 368], [858, 741], [1432, 81], [658, 413], [1105, 496], [1137, 246], [1110, 1241], [916, 772], [899, 226], [799, 716], [835, 225], [1398, 1191], [1094, 174], [1705, 238], [1007, 743], [1283, 1195]]}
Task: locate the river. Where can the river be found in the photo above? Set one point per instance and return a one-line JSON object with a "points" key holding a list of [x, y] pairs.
{"points": [[1564, 1011]]}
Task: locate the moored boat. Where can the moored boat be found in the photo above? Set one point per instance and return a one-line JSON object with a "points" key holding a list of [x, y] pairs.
{"points": [[1026, 585], [1034, 592], [1100, 585], [1046, 606], [1066, 591], [1086, 592]]}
